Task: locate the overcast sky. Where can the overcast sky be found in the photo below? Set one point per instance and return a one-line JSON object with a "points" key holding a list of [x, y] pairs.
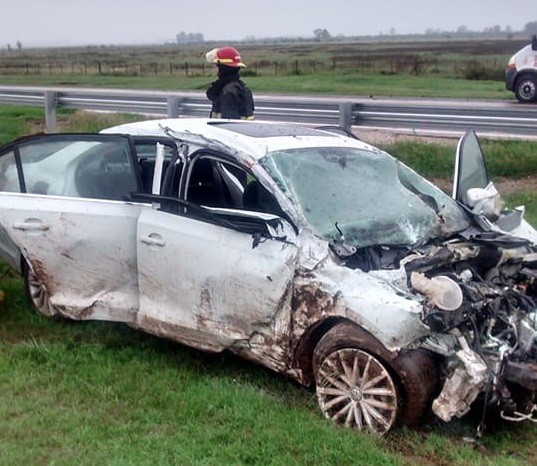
{"points": [[81, 22]]}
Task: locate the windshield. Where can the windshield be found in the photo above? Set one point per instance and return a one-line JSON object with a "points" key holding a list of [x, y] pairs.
{"points": [[373, 198]]}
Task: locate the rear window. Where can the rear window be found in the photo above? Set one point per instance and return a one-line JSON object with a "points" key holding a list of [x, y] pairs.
{"points": [[98, 168]]}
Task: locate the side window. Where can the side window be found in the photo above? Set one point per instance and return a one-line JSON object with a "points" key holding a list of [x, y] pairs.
{"points": [[93, 168], [215, 183], [9, 178], [146, 153]]}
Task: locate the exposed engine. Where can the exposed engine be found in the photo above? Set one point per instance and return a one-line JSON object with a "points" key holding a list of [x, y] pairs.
{"points": [[479, 297]]}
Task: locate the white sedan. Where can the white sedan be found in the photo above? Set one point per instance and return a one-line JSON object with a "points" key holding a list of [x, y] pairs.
{"points": [[310, 252]]}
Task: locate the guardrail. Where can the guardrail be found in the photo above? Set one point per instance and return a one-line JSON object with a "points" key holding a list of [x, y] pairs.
{"points": [[417, 115]]}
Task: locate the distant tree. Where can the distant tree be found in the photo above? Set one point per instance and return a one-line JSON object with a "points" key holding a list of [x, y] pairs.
{"points": [[497, 29], [531, 27], [9, 47], [462, 30], [19, 45], [509, 32], [321, 35], [392, 31]]}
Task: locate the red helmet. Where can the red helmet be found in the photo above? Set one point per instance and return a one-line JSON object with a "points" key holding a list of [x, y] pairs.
{"points": [[228, 56]]}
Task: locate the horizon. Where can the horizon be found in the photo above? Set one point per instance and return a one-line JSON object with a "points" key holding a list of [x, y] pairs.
{"points": [[34, 23]]}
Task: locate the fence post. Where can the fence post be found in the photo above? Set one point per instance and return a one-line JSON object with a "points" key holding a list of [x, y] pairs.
{"points": [[173, 104], [50, 111], [345, 115]]}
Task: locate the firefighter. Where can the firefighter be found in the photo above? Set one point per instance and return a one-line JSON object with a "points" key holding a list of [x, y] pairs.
{"points": [[230, 96]]}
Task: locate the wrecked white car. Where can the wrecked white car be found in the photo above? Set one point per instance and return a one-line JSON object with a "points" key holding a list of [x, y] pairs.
{"points": [[311, 253]]}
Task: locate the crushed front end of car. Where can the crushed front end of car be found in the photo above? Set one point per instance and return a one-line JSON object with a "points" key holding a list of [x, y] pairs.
{"points": [[475, 285], [479, 296]]}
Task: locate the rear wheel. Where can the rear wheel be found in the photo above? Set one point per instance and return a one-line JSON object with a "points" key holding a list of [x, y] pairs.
{"points": [[37, 293], [526, 88]]}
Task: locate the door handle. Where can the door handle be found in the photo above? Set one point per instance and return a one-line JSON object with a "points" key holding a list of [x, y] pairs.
{"points": [[153, 240], [30, 225]]}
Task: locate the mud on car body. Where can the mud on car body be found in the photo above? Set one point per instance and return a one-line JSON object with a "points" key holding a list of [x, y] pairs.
{"points": [[310, 252]]}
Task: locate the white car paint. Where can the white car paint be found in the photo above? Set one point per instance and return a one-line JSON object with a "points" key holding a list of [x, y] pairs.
{"points": [[264, 285]]}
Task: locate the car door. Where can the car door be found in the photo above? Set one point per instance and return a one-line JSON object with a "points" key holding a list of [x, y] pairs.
{"points": [[474, 189], [62, 204], [213, 277]]}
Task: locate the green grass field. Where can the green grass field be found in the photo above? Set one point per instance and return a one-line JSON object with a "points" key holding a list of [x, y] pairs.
{"points": [[442, 67], [351, 84], [100, 393]]}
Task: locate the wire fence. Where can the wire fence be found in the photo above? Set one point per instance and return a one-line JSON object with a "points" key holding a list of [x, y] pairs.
{"points": [[475, 68]]}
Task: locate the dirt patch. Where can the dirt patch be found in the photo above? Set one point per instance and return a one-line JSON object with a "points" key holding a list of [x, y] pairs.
{"points": [[509, 186], [383, 137], [505, 186]]}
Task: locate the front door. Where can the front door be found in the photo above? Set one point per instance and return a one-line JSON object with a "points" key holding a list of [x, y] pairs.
{"points": [[473, 188], [212, 286]]}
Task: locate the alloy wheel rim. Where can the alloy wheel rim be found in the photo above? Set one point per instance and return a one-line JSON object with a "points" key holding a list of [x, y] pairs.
{"points": [[354, 389], [39, 295]]}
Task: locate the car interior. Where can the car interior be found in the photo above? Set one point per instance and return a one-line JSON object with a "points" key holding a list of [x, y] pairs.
{"points": [[105, 174], [214, 183]]}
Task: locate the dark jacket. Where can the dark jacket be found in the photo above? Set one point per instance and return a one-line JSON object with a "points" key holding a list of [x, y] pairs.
{"points": [[230, 97]]}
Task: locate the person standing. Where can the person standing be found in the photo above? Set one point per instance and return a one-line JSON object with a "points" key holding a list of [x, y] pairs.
{"points": [[230, 96]]}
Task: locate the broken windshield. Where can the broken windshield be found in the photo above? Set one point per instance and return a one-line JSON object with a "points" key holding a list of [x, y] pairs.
{"points": [[373, 198]]}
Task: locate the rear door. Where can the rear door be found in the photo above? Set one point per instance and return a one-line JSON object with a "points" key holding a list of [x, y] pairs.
{"points": [[63, 203]]}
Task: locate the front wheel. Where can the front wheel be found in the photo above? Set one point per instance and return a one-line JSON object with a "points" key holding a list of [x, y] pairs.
{"points": [[354, 386], [526, 88], [355, 389]]}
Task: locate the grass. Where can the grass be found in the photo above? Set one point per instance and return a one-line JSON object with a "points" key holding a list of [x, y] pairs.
{"points": [[526, 198], [97, 393], [101, 393], [348, 83], [433, 68], [513, 159]]}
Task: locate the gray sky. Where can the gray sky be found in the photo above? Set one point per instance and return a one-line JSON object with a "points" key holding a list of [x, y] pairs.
{"points": [[78, 22]]}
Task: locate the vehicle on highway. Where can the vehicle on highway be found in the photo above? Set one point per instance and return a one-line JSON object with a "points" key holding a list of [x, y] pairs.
{"points": [[521, 73], [305, 250]]}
